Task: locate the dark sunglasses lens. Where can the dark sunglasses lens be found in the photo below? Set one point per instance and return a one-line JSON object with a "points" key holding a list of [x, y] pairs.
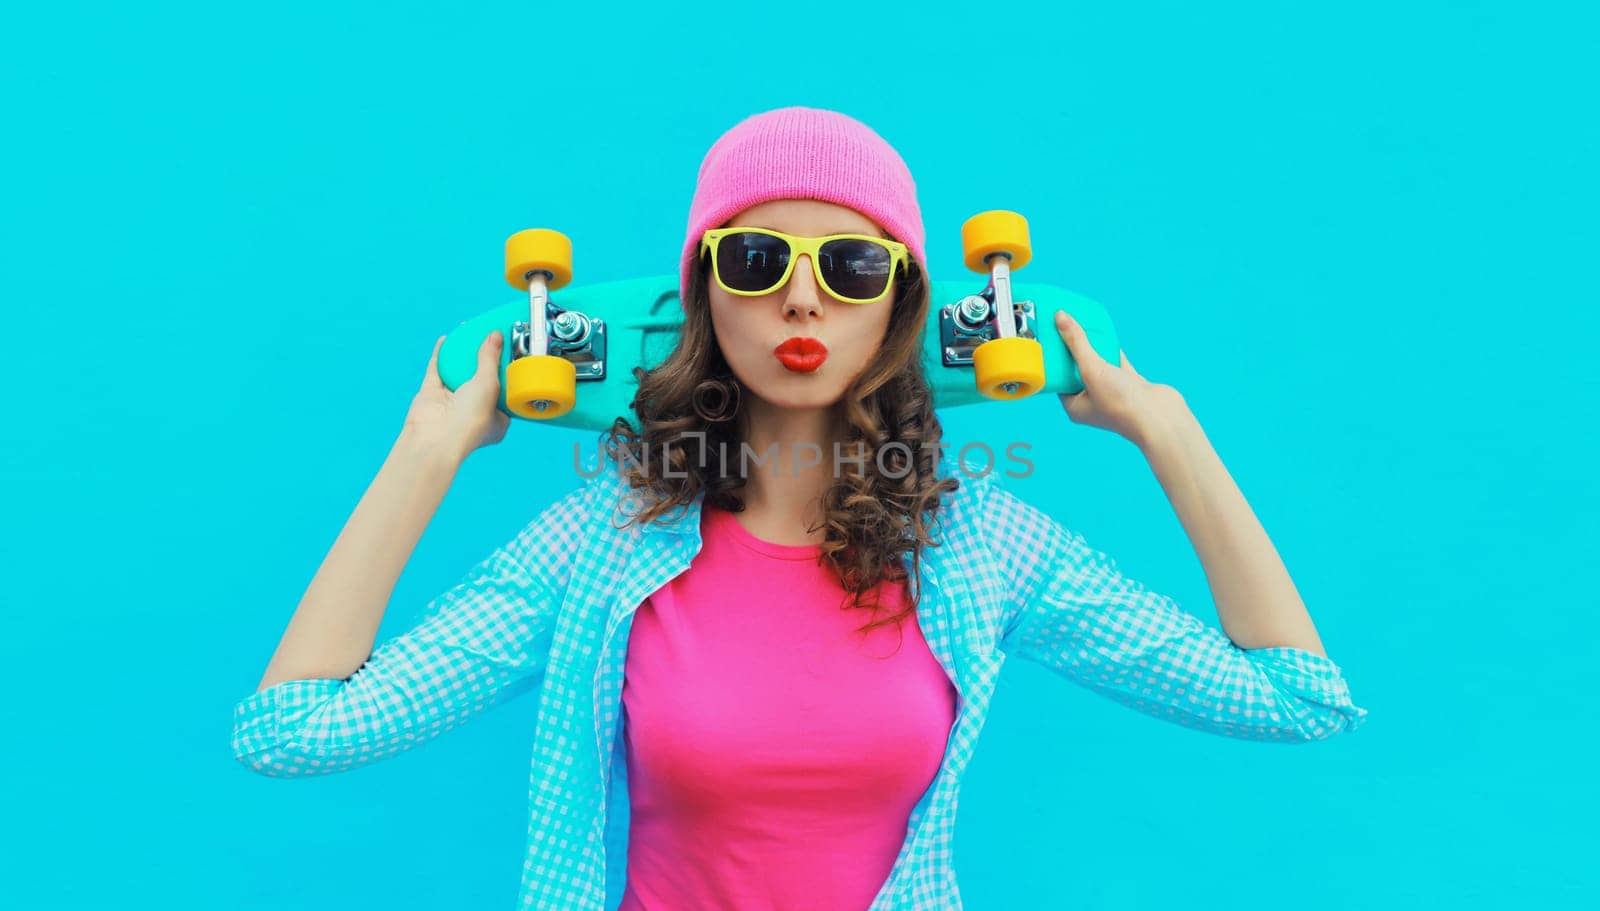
{"points": [[752, 262], [855, 268]]}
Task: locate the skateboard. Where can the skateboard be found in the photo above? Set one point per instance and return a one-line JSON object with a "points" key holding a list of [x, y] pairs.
{"points": [[570, 362]]}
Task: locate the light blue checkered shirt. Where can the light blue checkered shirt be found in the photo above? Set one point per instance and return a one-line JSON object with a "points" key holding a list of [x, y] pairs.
{"points": [[550, 611]]}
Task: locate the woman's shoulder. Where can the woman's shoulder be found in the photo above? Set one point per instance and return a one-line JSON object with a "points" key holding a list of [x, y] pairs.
{"points": [[607, 498], [974, 475], [960, 511], [988, 513]]}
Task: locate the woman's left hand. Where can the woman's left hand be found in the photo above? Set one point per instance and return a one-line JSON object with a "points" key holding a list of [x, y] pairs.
{"points": [[1114, 397]]}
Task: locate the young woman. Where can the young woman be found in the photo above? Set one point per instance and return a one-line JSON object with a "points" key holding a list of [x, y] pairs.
{"points": [[760, 688]]}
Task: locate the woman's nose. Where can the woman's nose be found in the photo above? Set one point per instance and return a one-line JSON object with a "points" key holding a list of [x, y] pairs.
{"points": [[803, 292]]}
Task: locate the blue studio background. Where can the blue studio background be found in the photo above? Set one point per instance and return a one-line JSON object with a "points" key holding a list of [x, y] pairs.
{"points": [[1360, 239]]}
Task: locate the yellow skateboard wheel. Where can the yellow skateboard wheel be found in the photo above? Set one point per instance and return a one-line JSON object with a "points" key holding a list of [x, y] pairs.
{"points": [[995, 231], [538, 248], [541, 386], [1017, 363]]}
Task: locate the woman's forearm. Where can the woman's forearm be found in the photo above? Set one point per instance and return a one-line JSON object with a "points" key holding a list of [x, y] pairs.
{"points": [[333, 629], [1256, 599]]}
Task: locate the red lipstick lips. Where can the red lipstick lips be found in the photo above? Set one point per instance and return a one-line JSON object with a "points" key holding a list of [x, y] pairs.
{"points": [[801, 354]]}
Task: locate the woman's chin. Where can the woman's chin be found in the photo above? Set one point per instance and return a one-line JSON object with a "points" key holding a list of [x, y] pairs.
{"points": [[799, 390]]}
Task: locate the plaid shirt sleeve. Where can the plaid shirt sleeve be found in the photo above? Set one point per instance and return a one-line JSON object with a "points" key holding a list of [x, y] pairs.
{"points": [[480, 643], [1071, 610]]}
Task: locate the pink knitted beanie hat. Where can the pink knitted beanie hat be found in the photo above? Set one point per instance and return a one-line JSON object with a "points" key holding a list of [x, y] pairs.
{"points": [[803, 153]]}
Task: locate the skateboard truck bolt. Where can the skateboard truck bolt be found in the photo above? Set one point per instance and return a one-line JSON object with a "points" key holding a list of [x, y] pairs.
{"points": [[973, 311], [570, 326]]}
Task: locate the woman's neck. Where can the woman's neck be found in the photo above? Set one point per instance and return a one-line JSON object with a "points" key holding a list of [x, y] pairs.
{"points": [[795, 448]]}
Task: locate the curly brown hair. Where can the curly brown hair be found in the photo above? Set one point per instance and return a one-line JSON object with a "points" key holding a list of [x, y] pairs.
{"points": [[871, 516]]}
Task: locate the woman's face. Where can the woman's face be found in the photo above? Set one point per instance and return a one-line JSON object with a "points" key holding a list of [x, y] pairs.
{"points": [[750, 329]]}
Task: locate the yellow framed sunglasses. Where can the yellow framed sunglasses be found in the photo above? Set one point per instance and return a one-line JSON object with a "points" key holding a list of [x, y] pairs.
{"points": [[855, 268]]}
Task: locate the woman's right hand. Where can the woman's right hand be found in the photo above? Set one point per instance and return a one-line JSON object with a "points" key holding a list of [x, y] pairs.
{"points": [[464, 420]]}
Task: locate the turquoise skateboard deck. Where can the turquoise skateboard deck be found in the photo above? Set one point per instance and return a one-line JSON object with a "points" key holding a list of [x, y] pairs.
{"points": [[607, 329]]}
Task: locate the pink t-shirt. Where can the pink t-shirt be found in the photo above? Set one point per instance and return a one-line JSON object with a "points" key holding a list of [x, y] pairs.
{"points": [[774, 754]]}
